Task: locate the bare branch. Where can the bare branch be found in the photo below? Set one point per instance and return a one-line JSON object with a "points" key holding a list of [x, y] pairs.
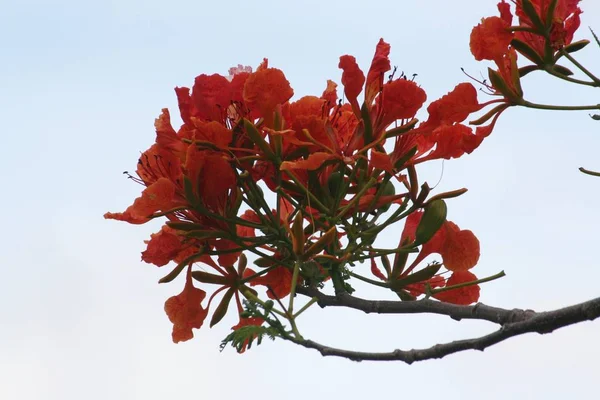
{"points": [[526, 322], [478, 311]]}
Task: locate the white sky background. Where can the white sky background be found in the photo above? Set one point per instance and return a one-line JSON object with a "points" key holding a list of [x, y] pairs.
{"points": [[81, 315]]}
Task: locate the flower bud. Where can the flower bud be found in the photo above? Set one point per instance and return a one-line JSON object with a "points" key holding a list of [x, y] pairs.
{"points": [[432, 220]]}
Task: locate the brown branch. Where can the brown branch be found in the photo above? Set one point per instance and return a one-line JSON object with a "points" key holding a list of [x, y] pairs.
{"points": [[478, 311], [526, 322]]}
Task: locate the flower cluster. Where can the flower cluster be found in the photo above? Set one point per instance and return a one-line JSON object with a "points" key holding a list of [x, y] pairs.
{"points": [[543, 34], [306, 187]]}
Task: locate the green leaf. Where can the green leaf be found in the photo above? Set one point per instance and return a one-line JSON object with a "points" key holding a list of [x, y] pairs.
{"points": [[402, 160], [248, 334], [562, 70], [527, 51], [527, 69], [204, 234], [529, 10], [177, 270], [366, 117], [576, 46], [419, 276], [184, 226], [189, 191], [401, 129], [256, 137], [432, 220], [499, 84], [595, 37], [206, 277], [222, 308]]}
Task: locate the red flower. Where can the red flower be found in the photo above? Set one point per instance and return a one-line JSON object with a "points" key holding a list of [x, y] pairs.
{"points": [[465, 295], [265, 89], [185, 310], [279, 281], [490, 39], [459, 248]]}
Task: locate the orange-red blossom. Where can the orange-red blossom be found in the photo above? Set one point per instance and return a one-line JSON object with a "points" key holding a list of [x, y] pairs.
{"points": [[243, 129]]}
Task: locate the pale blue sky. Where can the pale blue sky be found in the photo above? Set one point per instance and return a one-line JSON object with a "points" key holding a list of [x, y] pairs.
{"points": [[82, 316]]}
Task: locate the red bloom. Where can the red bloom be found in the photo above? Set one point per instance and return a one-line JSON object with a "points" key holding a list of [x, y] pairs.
{"points": [[459, 248], [265, 89], [353, 80], [278, 280], [163, 247], [185, 310], [159, 196], [464, 295], [490, 39]]}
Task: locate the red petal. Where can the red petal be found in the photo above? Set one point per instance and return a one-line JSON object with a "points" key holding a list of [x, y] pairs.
{"points": [[166, 137], [186, 108], [330, 93], [455, 106], [213, 132], [490, 39], [278, 280], [185, 310], [381, 161], [376, 271], [460, 250], [211, 96], [401, 100], [462, 296], [379, 66], [156, 197], [265, 89], [353, 80], [163, 246], [313, 162]]}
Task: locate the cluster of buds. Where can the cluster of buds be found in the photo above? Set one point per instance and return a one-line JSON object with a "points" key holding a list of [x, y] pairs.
{"points": [[303, 187]]}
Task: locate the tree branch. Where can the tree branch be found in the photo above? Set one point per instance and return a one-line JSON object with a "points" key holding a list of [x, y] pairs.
{"points": [[513, 323], [479, 311]]}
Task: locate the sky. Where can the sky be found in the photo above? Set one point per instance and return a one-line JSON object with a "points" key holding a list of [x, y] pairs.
{"points": [[82, 317]]}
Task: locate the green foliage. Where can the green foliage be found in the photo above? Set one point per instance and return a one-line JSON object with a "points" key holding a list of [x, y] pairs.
{"points": [[595, 37], [246, 335], [243, 337]]}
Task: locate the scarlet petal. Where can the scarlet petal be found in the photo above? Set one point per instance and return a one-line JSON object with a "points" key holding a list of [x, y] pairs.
{"points": [[376, 271], [381, 161], [211, 96], [185, 311], [213, 132], [166, 137], [379, 66], [163, 246], [490, 39], [265, 89], [245, 231], [353, 80], [401, 99], [462, 296], [278, 280], [330, 93], [455, 106], [313, 162], [227, 259], [156, 197], [460, 250], [186, 108]]}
